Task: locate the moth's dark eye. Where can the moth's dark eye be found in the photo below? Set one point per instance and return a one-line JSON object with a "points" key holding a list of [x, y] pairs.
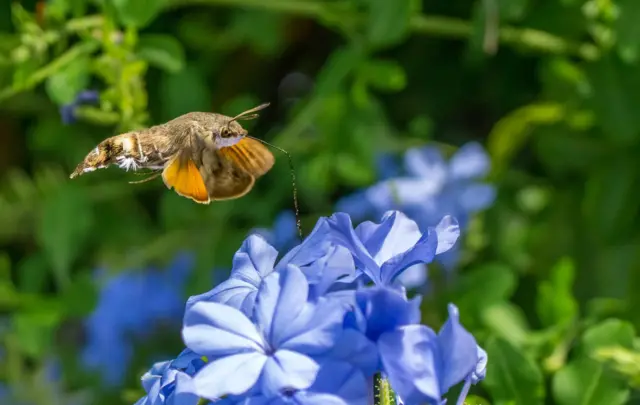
{"points": [[224, 132]]}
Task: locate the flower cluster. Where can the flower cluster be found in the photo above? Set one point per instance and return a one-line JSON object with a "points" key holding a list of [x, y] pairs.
{"points": [[426, 188], [316, 326], [129, 305]]}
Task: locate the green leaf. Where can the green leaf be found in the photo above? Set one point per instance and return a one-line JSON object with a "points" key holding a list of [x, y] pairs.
{"points": [[138, 13], [386, 75], [507, 321], [63, 229], [614, 98], [32, 273], [586, 382], [35, 330], [609, 194], [483, 287], [81, 297], [63, 85], [353, 171], [555, 302], [162, 51], [263, 31], [388, 22], [611, 332], [627, 29], [513, 377], [511, 133]]}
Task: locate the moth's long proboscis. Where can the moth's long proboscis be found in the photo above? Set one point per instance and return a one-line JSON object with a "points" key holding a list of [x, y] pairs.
{"points": [[293, 182]]}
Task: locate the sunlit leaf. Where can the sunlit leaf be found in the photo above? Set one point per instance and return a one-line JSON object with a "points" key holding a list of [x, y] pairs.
{"points": [[584, 381]]}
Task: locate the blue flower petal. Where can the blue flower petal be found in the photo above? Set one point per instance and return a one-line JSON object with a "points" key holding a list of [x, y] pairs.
{"points": [[426, 162], [357, 205], [214, 329], [356, 349], [343, 380], [475, 197], [409, 358], [386, 309], [480, 372], [312, 248], [251, 263], [448, 232], [414, 276], [281, 299], [316, 330], [288, 370], [458, 351], [423, 251], [323, 273], [469, 162], [232, 375], [184, 391], [395, 234]]}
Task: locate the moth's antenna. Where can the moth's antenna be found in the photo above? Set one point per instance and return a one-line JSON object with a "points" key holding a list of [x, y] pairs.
{"points": [[293, 181], [249, 113]]}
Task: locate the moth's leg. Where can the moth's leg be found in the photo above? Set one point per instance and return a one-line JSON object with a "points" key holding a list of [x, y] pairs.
{"points": [[138, 173], [155, 174]]}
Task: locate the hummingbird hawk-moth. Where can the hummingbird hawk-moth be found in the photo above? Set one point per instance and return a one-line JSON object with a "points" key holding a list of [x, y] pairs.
{"points": [[202, 156]]}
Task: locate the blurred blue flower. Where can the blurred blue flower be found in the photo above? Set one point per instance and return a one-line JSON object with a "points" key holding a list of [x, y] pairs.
{"points": [[169, 382], [272, 351], [429, 189], [130, 304], [68, 111], [284, 233]]}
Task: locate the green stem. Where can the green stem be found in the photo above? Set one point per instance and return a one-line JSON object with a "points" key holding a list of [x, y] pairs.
{"points": [[439, 26], [84, 23], [44, 72], [300, 8]]}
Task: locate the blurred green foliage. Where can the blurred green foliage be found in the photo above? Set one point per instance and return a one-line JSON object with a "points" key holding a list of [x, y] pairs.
{"points": [[550, 274]]}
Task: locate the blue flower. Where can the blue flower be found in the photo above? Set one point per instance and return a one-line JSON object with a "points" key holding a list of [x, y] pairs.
{"points": [[422, 366], [272, 351], [169, 382], [68, 111], [430, 189], [129, 305]]}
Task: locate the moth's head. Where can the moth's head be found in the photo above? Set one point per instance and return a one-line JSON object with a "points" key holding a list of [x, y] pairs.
{"points": [[233, 129], [98, 158]]}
